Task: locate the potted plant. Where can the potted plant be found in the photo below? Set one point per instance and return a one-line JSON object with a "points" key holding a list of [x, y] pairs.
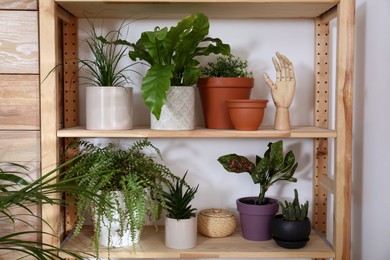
{"points": [[20, 196], [171, 54], [109, 98], [130, 187], [292, 228], [256, 213], [224, 79], [180, 222]]}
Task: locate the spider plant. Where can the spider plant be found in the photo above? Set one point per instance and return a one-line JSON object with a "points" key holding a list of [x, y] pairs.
{"points": [[19, 193]]}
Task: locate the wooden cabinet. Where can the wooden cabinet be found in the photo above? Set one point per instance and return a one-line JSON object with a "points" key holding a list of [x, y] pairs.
{"points": [[58, 26]]}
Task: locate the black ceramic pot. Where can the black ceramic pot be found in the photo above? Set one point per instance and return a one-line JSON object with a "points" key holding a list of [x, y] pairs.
{"points": [[290, 234]]}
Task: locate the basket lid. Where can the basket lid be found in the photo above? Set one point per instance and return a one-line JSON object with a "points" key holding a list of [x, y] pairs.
{"points": [[217, 213]]}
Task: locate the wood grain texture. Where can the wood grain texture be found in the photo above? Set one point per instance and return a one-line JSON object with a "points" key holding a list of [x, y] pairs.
{"points": [[235, 246], [19, 102], [19, 42], [19, 146], [18, 4]]}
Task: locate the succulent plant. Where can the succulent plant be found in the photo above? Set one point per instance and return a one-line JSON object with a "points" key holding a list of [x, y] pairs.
{"points": [[293, 211]]}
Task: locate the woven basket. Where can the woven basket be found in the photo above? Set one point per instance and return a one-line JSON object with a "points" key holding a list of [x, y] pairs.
{"points": [[216, 222]]}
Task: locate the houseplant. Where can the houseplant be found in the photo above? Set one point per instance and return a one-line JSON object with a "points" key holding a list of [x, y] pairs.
{"points": [[130, 187], [225, 78], [171, 54], [292, 228], [109, 98], [19, 195], [265, 172], [180, 222]]}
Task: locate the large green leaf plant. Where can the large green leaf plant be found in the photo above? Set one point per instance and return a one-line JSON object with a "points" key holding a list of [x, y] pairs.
{"points": [[171, 55], [267, 170]]}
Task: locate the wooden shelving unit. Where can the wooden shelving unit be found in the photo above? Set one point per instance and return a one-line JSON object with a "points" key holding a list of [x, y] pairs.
{"points": [[59, 117]]}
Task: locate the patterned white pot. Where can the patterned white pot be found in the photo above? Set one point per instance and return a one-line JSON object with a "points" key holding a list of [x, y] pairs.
{"points": [[180, 234], [109, 233], [178, 112], [109, 108]]}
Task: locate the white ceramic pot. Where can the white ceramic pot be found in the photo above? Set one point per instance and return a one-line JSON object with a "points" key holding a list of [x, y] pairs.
{"points": [[109, 233], [180, 234], [109, 108], [178, 112]]}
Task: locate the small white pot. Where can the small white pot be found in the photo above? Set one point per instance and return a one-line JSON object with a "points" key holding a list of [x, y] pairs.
{"points": [[109, 233], [109, 108], [180, 234], [178, 112]]}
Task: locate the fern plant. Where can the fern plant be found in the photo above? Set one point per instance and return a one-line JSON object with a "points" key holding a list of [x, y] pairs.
{"points": [[293, 211], [227, 66], [135, 173], [178, 200]]}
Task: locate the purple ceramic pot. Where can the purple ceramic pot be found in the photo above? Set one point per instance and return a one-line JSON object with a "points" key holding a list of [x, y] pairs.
{"points": [[256, 219]]}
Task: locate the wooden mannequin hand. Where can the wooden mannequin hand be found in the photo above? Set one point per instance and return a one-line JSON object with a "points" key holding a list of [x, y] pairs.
{"points": [[282, 90]]}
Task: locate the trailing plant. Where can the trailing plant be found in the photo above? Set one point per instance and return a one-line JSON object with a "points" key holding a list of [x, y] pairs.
{"points": [[171, 55], [17, 195], [133, 171], [226, 67], [293, 211], [267, 170], [178, 200]]}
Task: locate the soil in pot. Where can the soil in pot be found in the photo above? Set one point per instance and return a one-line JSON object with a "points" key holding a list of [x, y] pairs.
{"points": [[256, 219], [246, 114], [213, 94]]}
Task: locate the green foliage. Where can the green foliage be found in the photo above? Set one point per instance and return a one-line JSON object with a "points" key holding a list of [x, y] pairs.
{"points": [[104, 68], [267, 170], [178, 200], [133, 171], [294, 211], [226, 67], [171, 55], [18, 192]]}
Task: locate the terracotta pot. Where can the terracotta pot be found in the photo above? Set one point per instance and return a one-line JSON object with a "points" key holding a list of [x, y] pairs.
{"points": [[256, 219], [214, 92], [246, 114]]}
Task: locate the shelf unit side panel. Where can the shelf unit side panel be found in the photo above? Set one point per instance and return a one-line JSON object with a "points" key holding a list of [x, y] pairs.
{"points": [[321, 118], [343, 162]]}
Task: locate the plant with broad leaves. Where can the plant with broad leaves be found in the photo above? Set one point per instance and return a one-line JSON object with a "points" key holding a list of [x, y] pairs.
{"points": [[267, 170]]}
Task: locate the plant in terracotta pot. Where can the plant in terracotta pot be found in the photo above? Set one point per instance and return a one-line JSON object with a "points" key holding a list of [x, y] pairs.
{"points": [[108, 94], [256, 213], [171, 54], [292, 228], [129, 185], [180, 222], [225, 78]]}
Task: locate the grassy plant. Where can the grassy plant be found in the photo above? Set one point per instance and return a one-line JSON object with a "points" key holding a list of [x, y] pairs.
{"points": [[226, 67], [178, 200], [17, 192]]}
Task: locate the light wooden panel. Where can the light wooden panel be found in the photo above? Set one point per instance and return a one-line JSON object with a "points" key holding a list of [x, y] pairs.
{"points": [[19, 102], [19, 146], [214, 9], [19, 42], [18, 4], [235, 246], [343, 163]]}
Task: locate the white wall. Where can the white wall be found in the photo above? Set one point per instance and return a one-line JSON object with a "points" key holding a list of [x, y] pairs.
{"points": [[371, 195]]}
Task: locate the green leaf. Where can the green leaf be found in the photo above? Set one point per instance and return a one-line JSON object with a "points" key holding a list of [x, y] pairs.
{"points": [[155, 85]]}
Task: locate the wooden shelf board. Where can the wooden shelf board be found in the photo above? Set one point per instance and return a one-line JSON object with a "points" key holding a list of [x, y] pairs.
{"points": [[139, 132], [174, 9], [235, 246]]}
